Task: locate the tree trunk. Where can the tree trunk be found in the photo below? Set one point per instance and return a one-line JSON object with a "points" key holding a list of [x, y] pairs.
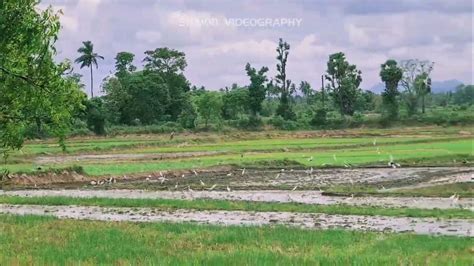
{"points": [[423, 104], [92, 84]]}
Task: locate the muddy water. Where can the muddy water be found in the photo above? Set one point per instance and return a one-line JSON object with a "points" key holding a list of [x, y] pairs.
{"points": [[307, 197], [303, 220], [381, 178]]}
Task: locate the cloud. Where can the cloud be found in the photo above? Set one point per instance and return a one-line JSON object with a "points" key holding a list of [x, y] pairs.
{"points": [[148, 36], [367, 33], [250, 48]]}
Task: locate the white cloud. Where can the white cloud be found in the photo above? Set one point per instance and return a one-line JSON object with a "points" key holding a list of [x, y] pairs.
{"points": [[250, 48], [88, 6], [368, 34], [148, 36]]}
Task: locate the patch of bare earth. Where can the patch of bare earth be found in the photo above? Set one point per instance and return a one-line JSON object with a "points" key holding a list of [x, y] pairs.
{"points": [[44, 160], [303, 220], [285, 196], [249, 179]]}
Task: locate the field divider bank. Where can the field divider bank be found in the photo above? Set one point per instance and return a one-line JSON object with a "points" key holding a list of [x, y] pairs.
{"points": [[191, 202], [428, 226]]}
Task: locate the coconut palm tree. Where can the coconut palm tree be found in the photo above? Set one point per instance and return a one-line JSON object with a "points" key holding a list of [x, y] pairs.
{"points": [[87, 59]]}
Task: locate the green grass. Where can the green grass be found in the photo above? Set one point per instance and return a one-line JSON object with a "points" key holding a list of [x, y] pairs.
{"points": [[40, 240], [239, 141], [410, 146], [464, 189], [205, 204], [415, 152]]}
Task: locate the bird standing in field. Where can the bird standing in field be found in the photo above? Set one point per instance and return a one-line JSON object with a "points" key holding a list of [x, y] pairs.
{"points": [[228, 189], [172, 135]]}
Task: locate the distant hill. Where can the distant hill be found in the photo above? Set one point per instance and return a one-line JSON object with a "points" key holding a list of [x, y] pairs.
{"points": [[436, 86]]}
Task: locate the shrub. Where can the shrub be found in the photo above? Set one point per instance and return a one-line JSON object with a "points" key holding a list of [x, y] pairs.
{"points": [[320, 117], [280, 123]]}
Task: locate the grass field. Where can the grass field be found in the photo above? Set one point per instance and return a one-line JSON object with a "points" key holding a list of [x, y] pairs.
{"points": [[432, 146], [45, 240]]}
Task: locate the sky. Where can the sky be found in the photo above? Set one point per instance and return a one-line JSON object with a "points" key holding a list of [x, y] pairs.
{"points": [[220, 36]]}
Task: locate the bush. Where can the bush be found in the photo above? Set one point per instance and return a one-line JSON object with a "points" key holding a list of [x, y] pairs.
{"points": [[188, 118], [168, 127], [247, 122], [280, 123], [95, 115], [320, 117]]}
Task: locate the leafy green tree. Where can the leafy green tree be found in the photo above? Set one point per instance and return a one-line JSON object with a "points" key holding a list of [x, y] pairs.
{"points": [[117, 100], [124, 63], [188, 116], [236, 101], [391, 74], [365, 101], [95, 115], [464, 94], [33, 87], [284, 85], [307, 91], [88, 58], [165, 60], [209, 105], [169, 65], [344, 80], [423, 88], [416, 82], [257, 88]]}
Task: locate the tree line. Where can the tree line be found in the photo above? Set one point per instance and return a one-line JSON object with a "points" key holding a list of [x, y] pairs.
{"points": [[40, 97], [159, 92]]}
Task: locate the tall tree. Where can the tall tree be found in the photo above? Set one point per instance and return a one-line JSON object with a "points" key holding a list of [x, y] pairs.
{"points": [[344, 80], [284, 85], [165, 60], [124, 63], [88, 58], [257, 88], [423, 87], [33, 87], [416, 82], [391, 74], [169, 64]]}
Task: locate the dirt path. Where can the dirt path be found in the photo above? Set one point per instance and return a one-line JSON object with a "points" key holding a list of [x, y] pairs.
{"points": [[121, 157], [303, 220], [307, 197]]}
